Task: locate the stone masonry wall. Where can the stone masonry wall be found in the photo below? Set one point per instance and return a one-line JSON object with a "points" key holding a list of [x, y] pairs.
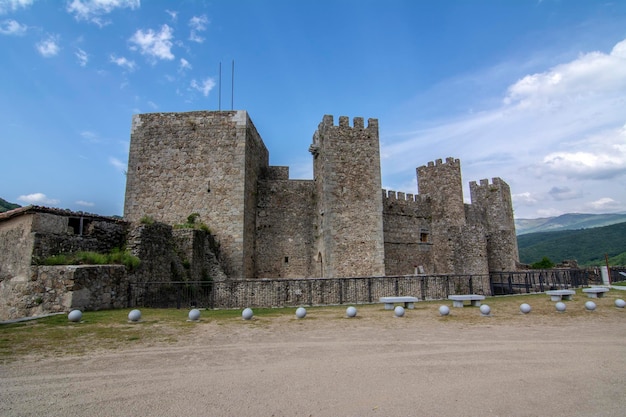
{"points": [[16, 247], [286, 221], [197, 162], [494, 200], [52, 289], [408, 244], [347, 168]]}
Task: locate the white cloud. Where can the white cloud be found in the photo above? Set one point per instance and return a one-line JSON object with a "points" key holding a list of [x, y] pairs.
{"points": [[82, 57], [94, 10], [154, 44], [49, 46], [123, 62], [197, 24], [12, 27], [173, 14], [604, 205], [205, 86], [117, 164], [552, 131], [84, 203], [184, 65], [38, 199], [7, 6], [153, 105]]}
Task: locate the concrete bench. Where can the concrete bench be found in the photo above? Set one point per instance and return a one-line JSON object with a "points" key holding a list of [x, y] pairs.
{"points": [[409, 302], [595, 292], [558, 295], [458, 300]]}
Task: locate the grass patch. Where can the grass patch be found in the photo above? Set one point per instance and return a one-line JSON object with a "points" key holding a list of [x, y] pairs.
{"points": [[116, 256], [110, 329]]}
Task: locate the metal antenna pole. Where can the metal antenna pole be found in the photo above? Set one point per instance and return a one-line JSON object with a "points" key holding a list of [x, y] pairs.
{"points": [[219, 94], [232, 86]]}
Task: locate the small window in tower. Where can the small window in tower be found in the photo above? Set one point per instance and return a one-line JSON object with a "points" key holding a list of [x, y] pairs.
{"points": [[208, 190], [286, 259], [424, 237]]}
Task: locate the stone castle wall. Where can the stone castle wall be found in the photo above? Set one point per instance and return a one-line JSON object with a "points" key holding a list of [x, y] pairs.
{"points": [[407, 227], [286, 229], [198, 162], [347, 171], [338, 225], [494, 200]]}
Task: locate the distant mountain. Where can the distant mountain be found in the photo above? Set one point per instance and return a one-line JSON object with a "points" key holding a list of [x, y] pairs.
{"points": [[570, 221], [587, 246], [6, 206]]}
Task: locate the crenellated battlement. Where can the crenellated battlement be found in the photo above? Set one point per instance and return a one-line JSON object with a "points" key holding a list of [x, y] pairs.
{"points": [[496, 181], [391, 195], [344, 122], [452, 162]]}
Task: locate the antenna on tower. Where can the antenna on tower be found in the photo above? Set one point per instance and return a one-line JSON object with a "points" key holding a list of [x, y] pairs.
{"points": [[232, 86], [219, 94]]}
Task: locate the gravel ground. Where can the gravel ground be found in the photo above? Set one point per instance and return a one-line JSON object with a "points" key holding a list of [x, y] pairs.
{"points": [[509, 364]]}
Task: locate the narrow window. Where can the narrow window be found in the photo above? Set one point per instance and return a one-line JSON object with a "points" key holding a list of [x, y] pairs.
{"points": [[286, 259]]}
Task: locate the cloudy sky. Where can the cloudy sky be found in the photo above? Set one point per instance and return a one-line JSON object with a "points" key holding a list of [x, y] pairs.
{"points": [[531, 91]]}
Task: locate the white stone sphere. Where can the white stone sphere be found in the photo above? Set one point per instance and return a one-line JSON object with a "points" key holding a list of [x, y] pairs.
{"points": [[525, 308], [351, 311], [134, 315], [194, 314], [301, 312], [444, 310], [75, 316], [590, 305], [398, 311], [620, 303], [485, 309], [560, 306], [247, 313]]}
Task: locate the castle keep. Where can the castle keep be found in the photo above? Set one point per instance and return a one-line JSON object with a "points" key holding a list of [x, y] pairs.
{"points": [[339, 224]]}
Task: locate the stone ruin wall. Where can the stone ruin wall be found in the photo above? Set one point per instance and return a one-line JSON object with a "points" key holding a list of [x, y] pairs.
{"points": [[55, 289]]}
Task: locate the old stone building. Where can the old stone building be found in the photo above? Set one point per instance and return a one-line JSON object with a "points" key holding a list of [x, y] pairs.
{"points": [[339, 224]]}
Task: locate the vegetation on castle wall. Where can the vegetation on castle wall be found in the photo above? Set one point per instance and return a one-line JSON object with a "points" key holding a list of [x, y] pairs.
{"points": [[193, 223], [116, 257]]}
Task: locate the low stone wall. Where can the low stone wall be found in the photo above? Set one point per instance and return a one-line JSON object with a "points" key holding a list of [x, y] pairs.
{"points": [[52, 289]]}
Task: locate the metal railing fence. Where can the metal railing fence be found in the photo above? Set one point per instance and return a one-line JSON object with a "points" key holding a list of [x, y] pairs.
{"points": [[337, 291]]}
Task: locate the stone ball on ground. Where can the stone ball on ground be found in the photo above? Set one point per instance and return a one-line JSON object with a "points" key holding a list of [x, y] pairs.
{"points": [[247, 313], [485, 309], [134, 315], [560, 306], [398, 311], [590, 305], [620, 303], [75, 316], [301, 312], [194, 314], [351, 311], [444, 310], [525, 308]]}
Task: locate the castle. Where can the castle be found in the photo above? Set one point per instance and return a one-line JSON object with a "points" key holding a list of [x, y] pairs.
{"points": [[339, 224]]}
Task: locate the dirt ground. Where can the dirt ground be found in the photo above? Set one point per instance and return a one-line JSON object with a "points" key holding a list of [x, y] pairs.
{"points": [[508, 364]]}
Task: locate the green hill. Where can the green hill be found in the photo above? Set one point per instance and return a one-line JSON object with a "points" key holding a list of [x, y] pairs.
{"points": [[569, 221], [587, 246], [6, 206]]}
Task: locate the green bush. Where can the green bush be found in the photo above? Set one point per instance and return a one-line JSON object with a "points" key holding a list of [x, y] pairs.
{"points": [[544, 263]]}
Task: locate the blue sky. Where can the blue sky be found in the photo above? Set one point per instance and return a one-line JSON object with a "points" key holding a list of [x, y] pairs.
{"points": [[530, 91]]}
